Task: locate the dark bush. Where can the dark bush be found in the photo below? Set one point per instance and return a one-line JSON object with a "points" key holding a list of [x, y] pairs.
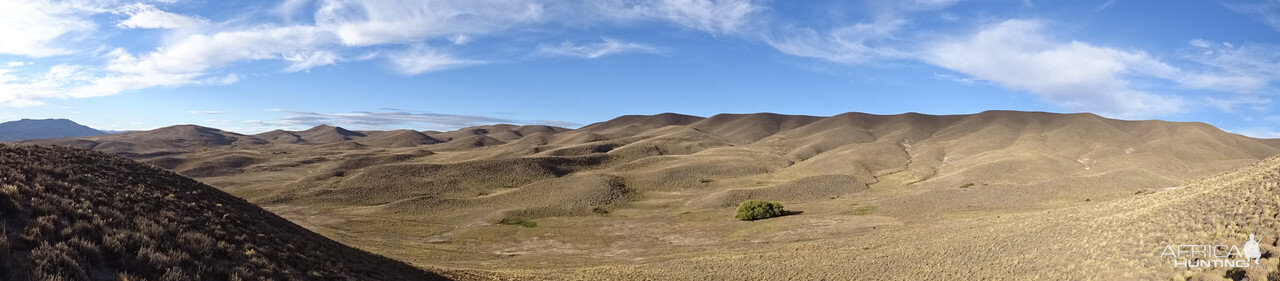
{"points": [[518, 221], [757, 209]]}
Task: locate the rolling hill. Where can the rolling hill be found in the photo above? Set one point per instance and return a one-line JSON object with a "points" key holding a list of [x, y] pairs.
{"points": [[30, 129], [1123, 239], [71, 214], [631, 193]]}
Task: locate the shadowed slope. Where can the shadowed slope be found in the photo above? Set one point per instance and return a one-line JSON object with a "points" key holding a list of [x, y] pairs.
{"points": [[78, 215]]}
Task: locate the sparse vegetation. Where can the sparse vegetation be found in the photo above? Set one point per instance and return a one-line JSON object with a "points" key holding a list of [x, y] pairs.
{"points": [[1137, 192], [70, 214], [518, 221], [426, 208], [758, 209], [862, 210]]}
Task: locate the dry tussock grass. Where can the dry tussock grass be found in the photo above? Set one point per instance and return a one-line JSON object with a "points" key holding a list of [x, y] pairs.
{"points": [[669, 182], [70, 214]]}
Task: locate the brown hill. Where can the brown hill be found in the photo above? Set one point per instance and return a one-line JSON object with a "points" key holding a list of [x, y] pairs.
{"points": [[279, 136], [167, 139], [328, 134], [398, 138], [641, 189], [639, 123], [502, 132], [71, 214]]}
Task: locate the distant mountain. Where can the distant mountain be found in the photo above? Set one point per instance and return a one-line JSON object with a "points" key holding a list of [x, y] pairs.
{"points": [[30, 129]]}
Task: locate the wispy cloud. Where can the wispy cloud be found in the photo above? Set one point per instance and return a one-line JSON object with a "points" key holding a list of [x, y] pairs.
{"points": [[148, 16], [609, 46], [339, 31], [422, 59], [391, 119], [419, 37], [207, 112], [374, 22], [1267, 11], [854, 44]]}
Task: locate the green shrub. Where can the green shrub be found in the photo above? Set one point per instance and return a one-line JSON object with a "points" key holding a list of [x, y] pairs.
{"points": [[966, 185], [862, 210], [519, 221], [757, 209]]}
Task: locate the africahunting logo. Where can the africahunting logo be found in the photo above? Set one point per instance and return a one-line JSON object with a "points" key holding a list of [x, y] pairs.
{"points": [[1205, 256]]}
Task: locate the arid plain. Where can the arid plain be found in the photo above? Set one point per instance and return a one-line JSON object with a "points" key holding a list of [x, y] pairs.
{"points": [[993, 195]]}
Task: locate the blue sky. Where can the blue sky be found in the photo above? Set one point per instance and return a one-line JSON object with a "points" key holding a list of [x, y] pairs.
{"points": [[252, 66]]}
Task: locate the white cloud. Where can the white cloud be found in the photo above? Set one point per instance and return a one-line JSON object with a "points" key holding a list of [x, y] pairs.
{"points": [[373, 22], [185, 60], [714, 16], [1266, 12], [16, 63], [196, 56], [1247, 69], [148, 16], [207, 112], [389, 119], [854, 44], [460, 39], [1018, 55], [308, 60], [421, 59], [30, 90], [1199, 43], [724, 16], [221, 80], [200, 52], [42, 28], [289, 8], [607, 47]]}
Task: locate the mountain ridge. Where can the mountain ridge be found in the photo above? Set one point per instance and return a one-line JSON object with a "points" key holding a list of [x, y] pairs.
{"points": [[29, 129]]}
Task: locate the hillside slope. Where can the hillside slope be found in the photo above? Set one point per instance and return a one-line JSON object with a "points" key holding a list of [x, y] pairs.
{"points": [[1123, 239], [640, 189], [71, 214]]}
